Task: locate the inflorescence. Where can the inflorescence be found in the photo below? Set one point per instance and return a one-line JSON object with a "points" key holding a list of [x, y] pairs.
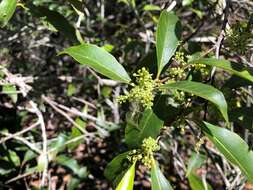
{"points": [[145, 153], [142, 91]]}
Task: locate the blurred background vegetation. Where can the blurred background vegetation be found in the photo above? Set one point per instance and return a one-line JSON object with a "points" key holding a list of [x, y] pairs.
{"points": [[84, 122]]}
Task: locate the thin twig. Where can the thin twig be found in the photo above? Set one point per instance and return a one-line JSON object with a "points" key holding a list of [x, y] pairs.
{"points": [[19, 133], [23, 140], [44, 139], [52, 104], [74, 111]]}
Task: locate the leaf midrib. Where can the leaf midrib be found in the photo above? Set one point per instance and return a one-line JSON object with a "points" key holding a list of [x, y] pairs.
{"points": [[145, 124], [163, 49], [157, 178], [103, 67], [236, 160]]}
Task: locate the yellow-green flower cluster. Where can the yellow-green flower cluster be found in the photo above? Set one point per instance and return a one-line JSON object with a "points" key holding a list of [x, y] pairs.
{"points": [[149, 145], [201, 67], [145, 153], [142, 91], [180, 57], [179, 72], [239, 36]]}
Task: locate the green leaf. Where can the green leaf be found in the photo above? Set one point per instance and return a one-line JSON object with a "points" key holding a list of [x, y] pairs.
{"points": [[29, 155], [72, 164], [58, 145], [202, 90], [151, 8], [164, 108], [167, 38], [73, 183], [11, 91], [99, 59], [127, 182], [232, 146], [7, 9], [13, 157], [9, 161], [59, 22], [75, 132], [187, 2], [149, 126], [116, 166], [196, 183], [158, 180], [71, 90], [199, 13], [195, 162], [231, 67]]}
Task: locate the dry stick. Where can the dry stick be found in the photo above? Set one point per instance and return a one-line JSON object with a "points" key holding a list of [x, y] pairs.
{"points": [[85, 102], [44, 139], [52, 104], [221, 36], [114, 105], [76, 112], [236, 180], [23, 140], [19, 177], [97, 77], [19, 133], [59, 108]]}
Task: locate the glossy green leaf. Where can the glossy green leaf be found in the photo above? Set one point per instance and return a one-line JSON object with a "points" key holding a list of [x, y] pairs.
{"points": [[232, 146], [196, 183], [231, 67], [149, 126], [99, 59], [202, 90], [7, 9], [158, 180], [127, 182], [167, 38], [116, 166]]}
